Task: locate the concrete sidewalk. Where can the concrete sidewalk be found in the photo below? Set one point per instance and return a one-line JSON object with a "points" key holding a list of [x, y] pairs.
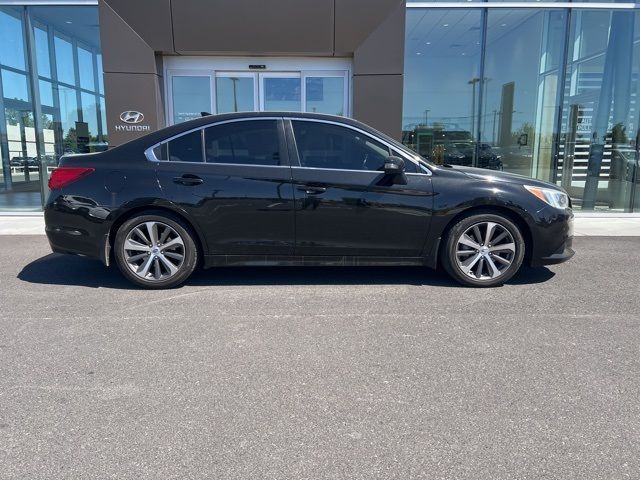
{"points": [[587, 225]]}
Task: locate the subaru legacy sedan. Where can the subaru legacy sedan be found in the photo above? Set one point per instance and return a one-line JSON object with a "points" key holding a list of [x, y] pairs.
{"points": [[296, 189]]}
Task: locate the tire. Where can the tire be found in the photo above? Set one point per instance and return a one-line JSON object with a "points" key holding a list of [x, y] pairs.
{"points": [[470, 262], [164, 262]]}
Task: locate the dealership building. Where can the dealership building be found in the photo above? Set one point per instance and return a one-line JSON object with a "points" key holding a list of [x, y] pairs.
{"points": [[540, 88]]}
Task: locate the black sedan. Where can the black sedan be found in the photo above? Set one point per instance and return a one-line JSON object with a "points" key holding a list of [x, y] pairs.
{"points": [[297, 189]]}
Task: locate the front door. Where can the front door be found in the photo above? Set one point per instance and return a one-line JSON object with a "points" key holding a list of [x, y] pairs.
{"points": [[345, 205], [234, 181], [205, 84]]}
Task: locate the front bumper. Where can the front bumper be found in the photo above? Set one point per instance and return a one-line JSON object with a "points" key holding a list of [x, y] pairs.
{"points": [[552, 237], [565, 253]]}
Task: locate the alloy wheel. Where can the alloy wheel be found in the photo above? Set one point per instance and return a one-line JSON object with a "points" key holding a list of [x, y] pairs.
{"points": [[154, 251], [485, 251]]}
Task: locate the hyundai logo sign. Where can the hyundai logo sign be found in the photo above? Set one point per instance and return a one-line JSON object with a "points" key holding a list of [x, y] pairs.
{"points": [[131, 116]]}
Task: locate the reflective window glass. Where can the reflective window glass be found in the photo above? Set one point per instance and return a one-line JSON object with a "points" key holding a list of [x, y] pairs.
{"points": [[442, 84], [11, 38], [247, 143], [85, 66], [325, 95], [282, 94], [64, 61], [90, 112], [323, 145], [191, 97], [42, 52], [520, 104], [597, 152], [235, 94], [15, 86], [100, 74], [46, 93]]}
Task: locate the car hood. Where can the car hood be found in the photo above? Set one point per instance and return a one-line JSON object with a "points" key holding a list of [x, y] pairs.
{"points": [[495, 176]]}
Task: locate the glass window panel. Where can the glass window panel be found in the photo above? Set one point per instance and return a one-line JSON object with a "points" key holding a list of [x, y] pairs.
{"points": [[520, 105], [15, 86], [191, 97], [64, 61], [103, 119], [46, 93], [85, 66], [282, 94], [90, 113], [246, 143], [331, 146], [11, 38], [597, 157], [42, 52], [68, 118], [235, 94], [187, 148], [441, 84], [100, 74], [325, 95]]}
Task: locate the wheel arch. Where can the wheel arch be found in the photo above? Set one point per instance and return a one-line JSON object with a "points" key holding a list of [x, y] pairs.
{"points": [[512, 215], [160, 209]]}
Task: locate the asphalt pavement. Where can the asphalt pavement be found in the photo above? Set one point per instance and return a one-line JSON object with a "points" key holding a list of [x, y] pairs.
{"points": [[336, 373]]}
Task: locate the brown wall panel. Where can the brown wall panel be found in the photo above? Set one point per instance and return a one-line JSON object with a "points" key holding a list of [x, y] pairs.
{"points": [[122, 48], [382, 52], [356, 19], [377, 101], [151, 19], [253, 26], [138, 92]]}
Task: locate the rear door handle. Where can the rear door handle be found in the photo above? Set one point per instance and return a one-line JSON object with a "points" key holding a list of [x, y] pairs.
{"points": [[311, 190], [188, 179]]}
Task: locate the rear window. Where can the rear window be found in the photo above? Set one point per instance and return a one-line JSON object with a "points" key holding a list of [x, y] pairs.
{"points": [[186, 148]]}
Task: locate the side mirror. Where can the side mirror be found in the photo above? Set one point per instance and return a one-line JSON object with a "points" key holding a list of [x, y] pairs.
{"points": [[393, 165]]}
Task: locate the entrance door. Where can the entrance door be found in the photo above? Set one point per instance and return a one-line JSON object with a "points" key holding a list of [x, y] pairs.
{"points": [[201, 84]]}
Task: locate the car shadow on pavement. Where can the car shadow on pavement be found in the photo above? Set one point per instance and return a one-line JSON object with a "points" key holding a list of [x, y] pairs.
{"points": [[56, 269]]}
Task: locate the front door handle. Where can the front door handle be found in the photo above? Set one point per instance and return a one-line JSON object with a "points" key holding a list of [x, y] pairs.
{"points": [[311, 190], [188, 179]]}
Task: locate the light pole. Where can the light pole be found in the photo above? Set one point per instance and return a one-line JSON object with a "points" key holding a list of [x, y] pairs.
{"points": [[473, 82], [234, 80]]}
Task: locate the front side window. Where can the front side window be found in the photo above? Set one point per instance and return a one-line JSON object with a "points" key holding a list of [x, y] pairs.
{"points": [[253, 142], [323, 145]]}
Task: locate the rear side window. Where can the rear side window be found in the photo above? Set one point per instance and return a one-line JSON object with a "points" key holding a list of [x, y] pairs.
{"points": [[324, 145], [252, 142], [186, 148]]}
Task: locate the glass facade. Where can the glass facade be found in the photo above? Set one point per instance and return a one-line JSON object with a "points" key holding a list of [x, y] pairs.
{"points": [[51, 96], [545, 92]]}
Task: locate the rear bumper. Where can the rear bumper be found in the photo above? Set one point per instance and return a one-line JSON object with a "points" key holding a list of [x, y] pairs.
{"points": [[76, 232]]}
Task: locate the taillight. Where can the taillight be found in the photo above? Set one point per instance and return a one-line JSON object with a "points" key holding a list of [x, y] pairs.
{"points": [[63, 176]]}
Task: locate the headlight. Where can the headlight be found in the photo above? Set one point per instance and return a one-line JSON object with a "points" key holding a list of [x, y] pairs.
{"points": [[553, 197]]}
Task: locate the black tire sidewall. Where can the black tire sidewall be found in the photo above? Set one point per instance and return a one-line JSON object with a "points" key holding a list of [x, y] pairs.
{"points": [[450, 261], [190, 250]]}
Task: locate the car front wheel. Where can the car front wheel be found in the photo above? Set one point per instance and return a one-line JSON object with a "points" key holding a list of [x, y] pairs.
{"points": [[155, 250], [483, 250]]}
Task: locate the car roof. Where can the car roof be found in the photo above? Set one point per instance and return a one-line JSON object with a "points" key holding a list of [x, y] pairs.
{"points": [[168, 132]]}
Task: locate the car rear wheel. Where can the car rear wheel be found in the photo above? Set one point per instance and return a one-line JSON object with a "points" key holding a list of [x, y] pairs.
{"points": [[155, 250], [483, 250]]}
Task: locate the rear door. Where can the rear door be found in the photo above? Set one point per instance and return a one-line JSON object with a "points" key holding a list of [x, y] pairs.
{"points": [[345, 204], [233, 178]]}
